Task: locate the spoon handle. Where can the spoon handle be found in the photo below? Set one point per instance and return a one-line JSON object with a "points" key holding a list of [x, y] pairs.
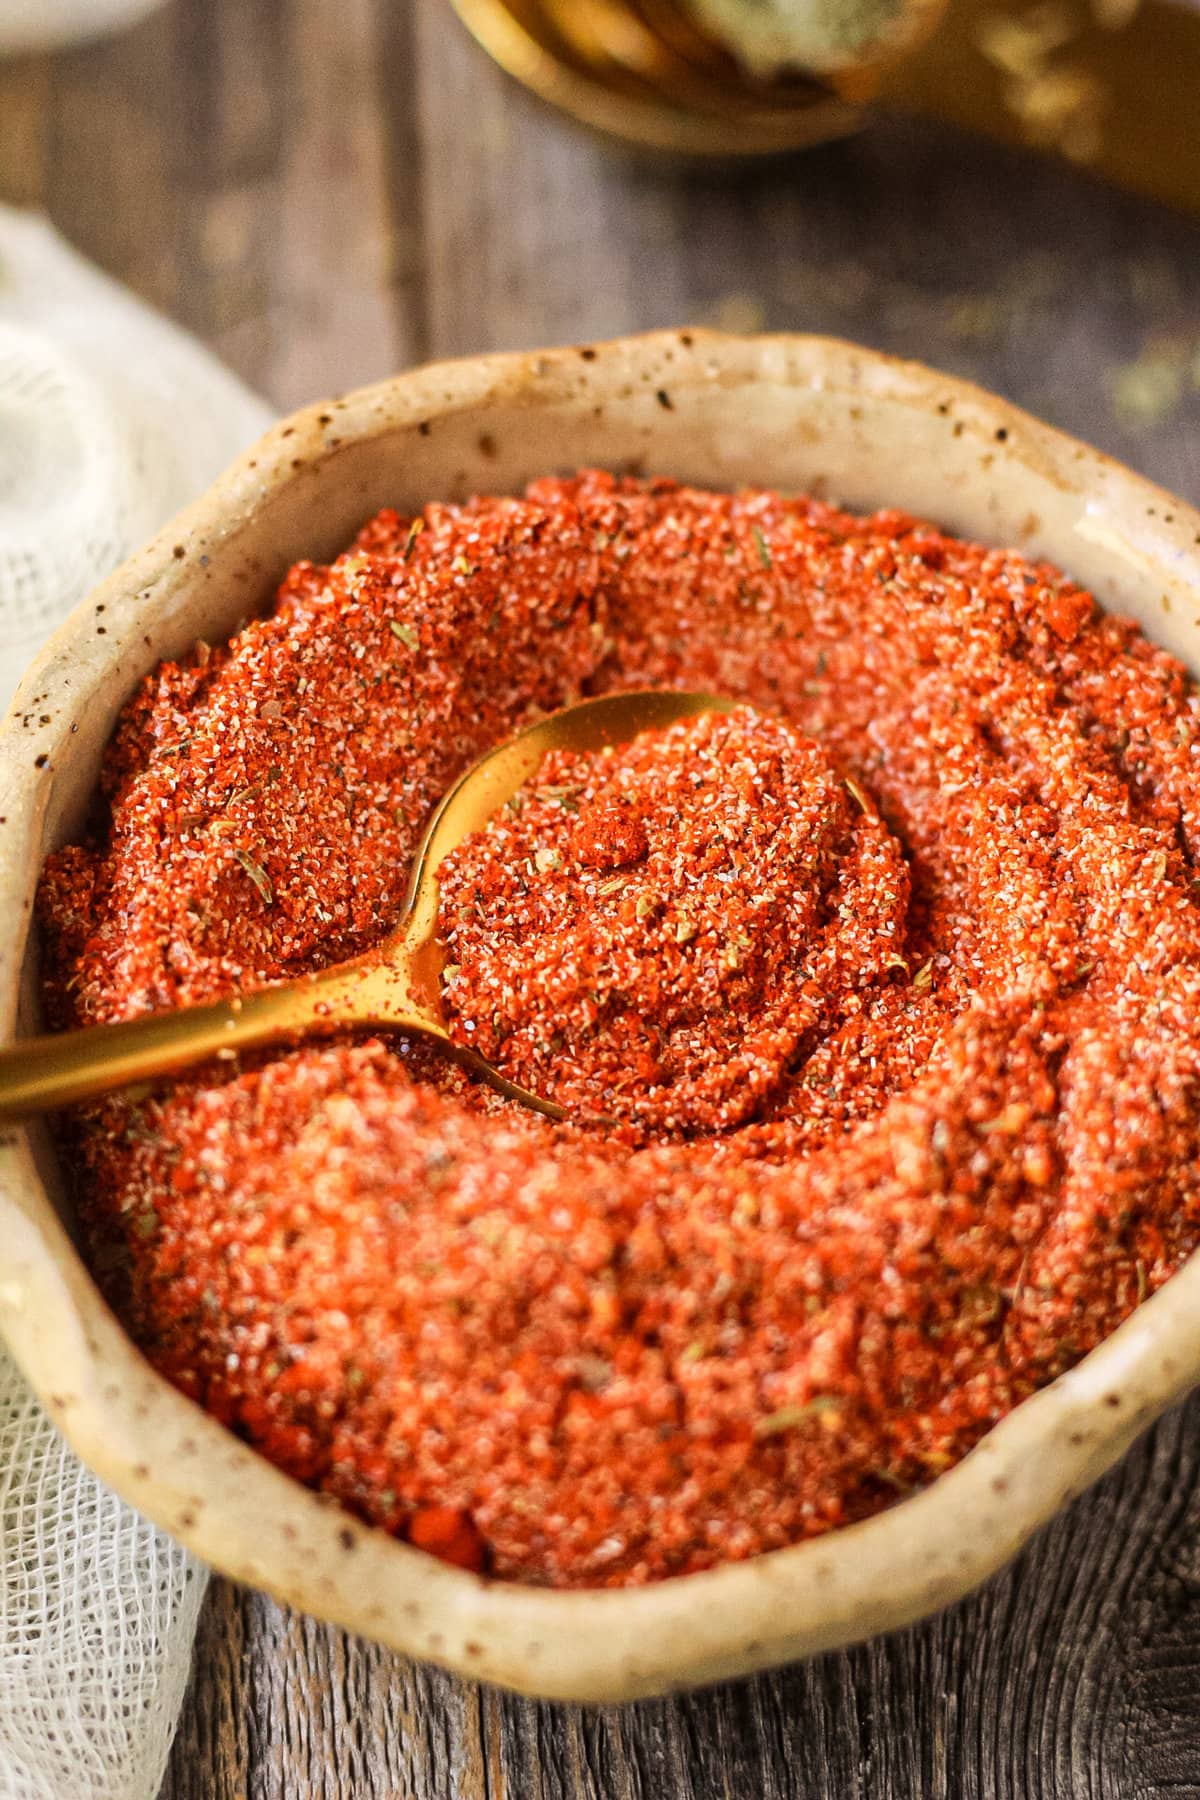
{"points": [[42, 1073]]}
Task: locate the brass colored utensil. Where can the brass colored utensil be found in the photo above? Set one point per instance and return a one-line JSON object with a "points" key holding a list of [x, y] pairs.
{"points": [[1111, 85], [614, 42], [396, 986], [654, 105]]}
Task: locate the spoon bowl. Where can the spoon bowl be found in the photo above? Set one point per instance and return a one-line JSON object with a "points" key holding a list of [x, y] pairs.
{"points": [[394, 986]]}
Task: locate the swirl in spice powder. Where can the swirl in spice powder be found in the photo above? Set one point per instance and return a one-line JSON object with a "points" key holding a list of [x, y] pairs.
{"points": [[663, 934], [875, 1003]]}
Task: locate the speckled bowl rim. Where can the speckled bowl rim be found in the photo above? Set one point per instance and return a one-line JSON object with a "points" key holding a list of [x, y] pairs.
{"points": [[707, 407]]}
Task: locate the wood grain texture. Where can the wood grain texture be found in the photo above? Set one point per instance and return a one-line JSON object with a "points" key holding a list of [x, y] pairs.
{"points": [[327, 191], [1073, 1676]]}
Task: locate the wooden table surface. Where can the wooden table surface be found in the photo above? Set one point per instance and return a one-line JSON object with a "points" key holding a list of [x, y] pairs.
{"points": [[328, 191]]}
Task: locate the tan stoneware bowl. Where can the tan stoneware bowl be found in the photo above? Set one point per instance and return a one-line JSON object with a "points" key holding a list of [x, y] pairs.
{"points": [[790, 412]]}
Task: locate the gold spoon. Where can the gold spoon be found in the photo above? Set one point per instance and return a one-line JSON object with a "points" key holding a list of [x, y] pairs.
{"points": [[396, 986]]}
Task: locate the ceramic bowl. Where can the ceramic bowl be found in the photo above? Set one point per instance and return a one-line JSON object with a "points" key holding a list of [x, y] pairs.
{"points": [[790, 412]]}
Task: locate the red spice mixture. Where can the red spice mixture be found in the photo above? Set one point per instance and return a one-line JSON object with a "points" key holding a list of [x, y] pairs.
{"points": [[664, 932], [894, 984]]}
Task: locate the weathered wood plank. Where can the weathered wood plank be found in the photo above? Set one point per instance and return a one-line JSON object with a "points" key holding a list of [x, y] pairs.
{"points": [[233, 110], [24, 130], [338, 327], [212, 1745], [119, 145]]}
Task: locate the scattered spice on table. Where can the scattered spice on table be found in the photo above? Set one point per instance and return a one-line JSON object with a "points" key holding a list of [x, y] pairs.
{"points": [[890, 978]]}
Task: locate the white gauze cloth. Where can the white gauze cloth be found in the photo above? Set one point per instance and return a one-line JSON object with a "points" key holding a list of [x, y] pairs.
{"points": [[110, 420]]}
